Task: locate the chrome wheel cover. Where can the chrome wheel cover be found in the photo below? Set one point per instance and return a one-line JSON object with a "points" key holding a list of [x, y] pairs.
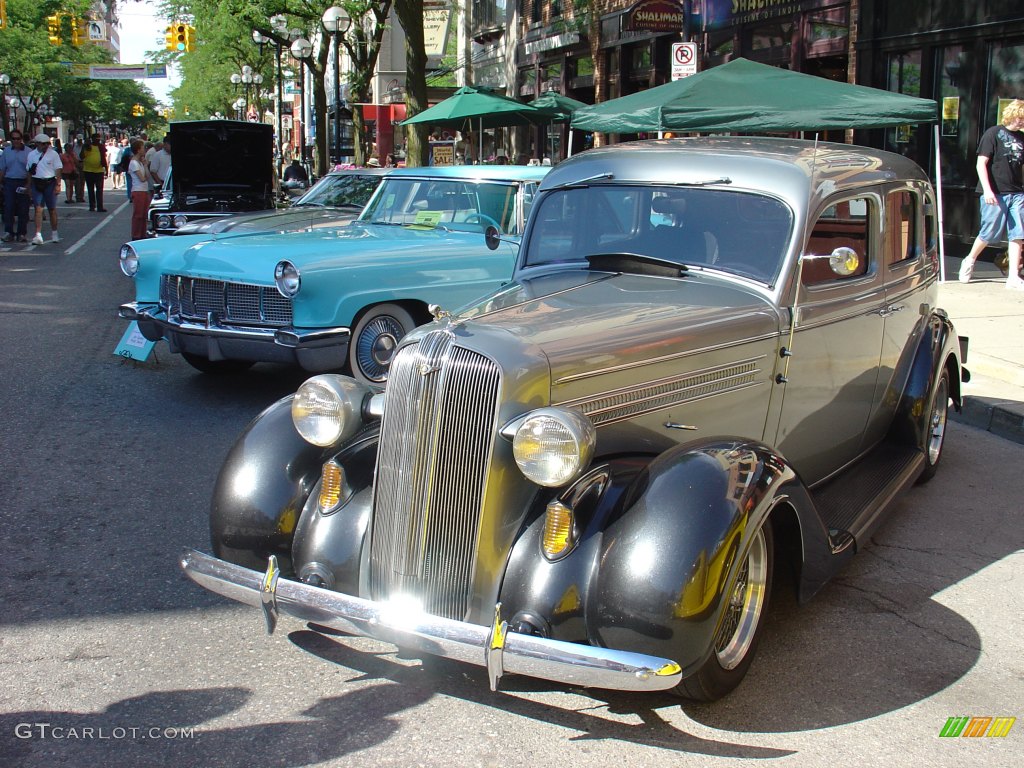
{"points": [[746, 603], [937, 421], [376, 346]]}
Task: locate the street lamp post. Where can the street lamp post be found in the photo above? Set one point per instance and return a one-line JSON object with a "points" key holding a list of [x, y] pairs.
{"points": [[301, 50], [279, 23], [5, 80], [336, 21]]}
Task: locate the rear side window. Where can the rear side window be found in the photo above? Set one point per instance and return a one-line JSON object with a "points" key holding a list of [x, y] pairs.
{"points": [[900, 226]]}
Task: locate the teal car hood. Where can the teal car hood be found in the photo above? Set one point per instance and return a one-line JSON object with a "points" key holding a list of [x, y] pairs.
{"points": [[252, 259]]}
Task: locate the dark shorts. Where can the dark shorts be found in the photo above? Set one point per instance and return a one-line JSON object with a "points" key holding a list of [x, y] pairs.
{"points": [[44, 192]]}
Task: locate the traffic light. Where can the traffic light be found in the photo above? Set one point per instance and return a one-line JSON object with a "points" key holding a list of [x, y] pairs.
{"points": [[53, 28], [190, 38], [180, 36], [79, 32], [169, 37], [138, 110]]}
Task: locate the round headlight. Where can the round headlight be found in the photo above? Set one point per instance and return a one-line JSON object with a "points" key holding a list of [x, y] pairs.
{"points": [[552, 446], [328, 409], [288, 279], [180, 221], [163, 222], [129, 260]]}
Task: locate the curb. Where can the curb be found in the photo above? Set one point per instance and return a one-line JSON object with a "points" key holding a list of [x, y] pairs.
{"points": [[1003, 418]]}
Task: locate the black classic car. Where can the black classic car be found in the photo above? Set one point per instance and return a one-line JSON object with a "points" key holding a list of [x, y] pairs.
{"points": [[716, 357], [336, 199], [218, 167]]}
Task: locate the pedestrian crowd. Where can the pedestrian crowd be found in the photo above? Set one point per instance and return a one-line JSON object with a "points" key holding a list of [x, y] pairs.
{"points": [[33, 175]]}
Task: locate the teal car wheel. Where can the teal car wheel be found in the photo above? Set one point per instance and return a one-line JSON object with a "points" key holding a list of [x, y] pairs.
{"points": [[375, 341]]}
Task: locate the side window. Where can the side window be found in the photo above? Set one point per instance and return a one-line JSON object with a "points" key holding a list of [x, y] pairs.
{"points": [[900, 227], [529, 195], [847, 223]]}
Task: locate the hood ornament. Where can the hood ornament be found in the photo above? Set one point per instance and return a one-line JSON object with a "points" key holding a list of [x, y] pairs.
{"points": [[438, 312]]}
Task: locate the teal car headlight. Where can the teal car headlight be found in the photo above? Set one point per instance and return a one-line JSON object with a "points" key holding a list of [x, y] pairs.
{"points": [[328, 409], [287, 279], [552, 446], [129, 260]]}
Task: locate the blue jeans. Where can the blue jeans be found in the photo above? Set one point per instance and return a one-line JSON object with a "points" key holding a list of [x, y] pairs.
{"points": [[15, 204]]}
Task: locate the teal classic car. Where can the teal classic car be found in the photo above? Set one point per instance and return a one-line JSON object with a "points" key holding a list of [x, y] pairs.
{"points": [[332, 298]]}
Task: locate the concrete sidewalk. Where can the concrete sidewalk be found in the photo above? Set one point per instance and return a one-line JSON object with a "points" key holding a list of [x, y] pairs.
{"points": [[991, 317]]}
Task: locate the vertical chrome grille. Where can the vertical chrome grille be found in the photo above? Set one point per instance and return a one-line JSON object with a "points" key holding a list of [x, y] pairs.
{"points": [[195, 298], [435, 448]]}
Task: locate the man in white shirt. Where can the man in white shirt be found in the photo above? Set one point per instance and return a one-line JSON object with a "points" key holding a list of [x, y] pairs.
{"points": [[160, 164], [44, 171]]}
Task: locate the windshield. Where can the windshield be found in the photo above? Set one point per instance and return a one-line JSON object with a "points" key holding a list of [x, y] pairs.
{"points": [[742, 233], [467, 206], [341, 191]]}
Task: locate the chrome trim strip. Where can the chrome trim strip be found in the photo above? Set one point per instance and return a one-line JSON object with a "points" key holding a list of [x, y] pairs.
{"points": [[607, 407], [666, 358], [556, 660], [175, 323]]}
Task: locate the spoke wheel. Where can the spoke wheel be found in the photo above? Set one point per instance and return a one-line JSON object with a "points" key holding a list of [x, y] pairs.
{"points": [[375, 341], [746, 604], [935, 436], [744, 608]]}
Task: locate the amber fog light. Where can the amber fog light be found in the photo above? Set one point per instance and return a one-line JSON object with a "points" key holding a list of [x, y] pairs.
{"points": [[559, 530], [332, 484]]}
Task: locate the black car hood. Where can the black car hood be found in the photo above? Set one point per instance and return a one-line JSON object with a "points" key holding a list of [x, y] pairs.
{"points": [[222, 157]]}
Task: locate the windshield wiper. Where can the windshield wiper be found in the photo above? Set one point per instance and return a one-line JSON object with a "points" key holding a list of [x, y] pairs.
{"points": [[707, 183], [584, 182], [637, 264]]}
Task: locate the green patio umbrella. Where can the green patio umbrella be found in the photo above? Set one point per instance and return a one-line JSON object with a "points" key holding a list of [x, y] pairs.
{"points": [[559, 106], [479, 108]]}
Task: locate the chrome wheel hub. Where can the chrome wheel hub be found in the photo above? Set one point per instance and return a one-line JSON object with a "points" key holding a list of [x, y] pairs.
{"points": [[746, 604]]}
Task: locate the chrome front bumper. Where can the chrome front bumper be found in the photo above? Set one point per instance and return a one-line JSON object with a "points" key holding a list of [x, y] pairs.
{"points": [[495, 648], [314, 350]]}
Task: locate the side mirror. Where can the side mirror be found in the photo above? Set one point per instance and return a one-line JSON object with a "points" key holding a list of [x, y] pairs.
{"points": [[844, 261], [492, 237]]}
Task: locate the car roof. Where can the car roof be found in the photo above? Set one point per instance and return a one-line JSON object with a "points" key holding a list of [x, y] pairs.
{"points": [[476, 172], [779, 166]]}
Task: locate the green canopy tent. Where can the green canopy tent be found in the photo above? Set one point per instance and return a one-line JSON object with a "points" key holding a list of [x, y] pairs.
{"points": [[481, 108], [746, 97]]}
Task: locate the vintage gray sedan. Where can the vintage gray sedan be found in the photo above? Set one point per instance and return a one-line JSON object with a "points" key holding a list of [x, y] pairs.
{"points": [[716, 357]]}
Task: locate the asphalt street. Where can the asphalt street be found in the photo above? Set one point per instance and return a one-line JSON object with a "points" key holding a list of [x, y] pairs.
{"points": [[109, 657]]}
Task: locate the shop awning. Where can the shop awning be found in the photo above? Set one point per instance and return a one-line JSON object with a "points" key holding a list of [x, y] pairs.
{"points": [[747, 97], [480, 109]]}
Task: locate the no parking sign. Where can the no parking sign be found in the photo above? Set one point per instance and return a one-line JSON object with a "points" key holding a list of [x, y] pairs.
{"points": [[684, 60]]}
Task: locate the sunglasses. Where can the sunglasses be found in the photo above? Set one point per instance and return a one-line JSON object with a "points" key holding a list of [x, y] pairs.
{"points": [[17, 138]]}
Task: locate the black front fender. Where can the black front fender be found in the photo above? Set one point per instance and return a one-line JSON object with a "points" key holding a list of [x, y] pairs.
{"points": [[261, 490], [670, 557]]}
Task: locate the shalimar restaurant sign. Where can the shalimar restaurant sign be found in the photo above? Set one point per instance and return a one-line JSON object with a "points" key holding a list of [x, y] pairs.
{"points": [[655, 16], [721, 13]]}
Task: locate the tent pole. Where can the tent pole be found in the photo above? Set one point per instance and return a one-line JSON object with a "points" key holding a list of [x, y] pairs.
{"points": [[570, 141], [480, 157], [938, 198]]}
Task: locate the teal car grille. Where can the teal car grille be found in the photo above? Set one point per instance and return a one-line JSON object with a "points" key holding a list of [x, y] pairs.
{"points": [[196, 298]]}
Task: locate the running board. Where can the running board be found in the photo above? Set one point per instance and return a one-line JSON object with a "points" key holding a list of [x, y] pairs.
{"points": [[852, 504]]}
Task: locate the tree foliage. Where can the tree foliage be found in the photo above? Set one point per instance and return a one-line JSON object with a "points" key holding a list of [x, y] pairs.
{"points": [[41, 72]]}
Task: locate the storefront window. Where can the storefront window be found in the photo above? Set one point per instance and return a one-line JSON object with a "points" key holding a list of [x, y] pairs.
{"points": [[1006, 79], [954, 66], [905, 78], [827, 32], [641, 58], [584, 66]]}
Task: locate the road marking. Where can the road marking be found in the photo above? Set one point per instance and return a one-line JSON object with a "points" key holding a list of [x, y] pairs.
{"points": [[89, 235]]}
